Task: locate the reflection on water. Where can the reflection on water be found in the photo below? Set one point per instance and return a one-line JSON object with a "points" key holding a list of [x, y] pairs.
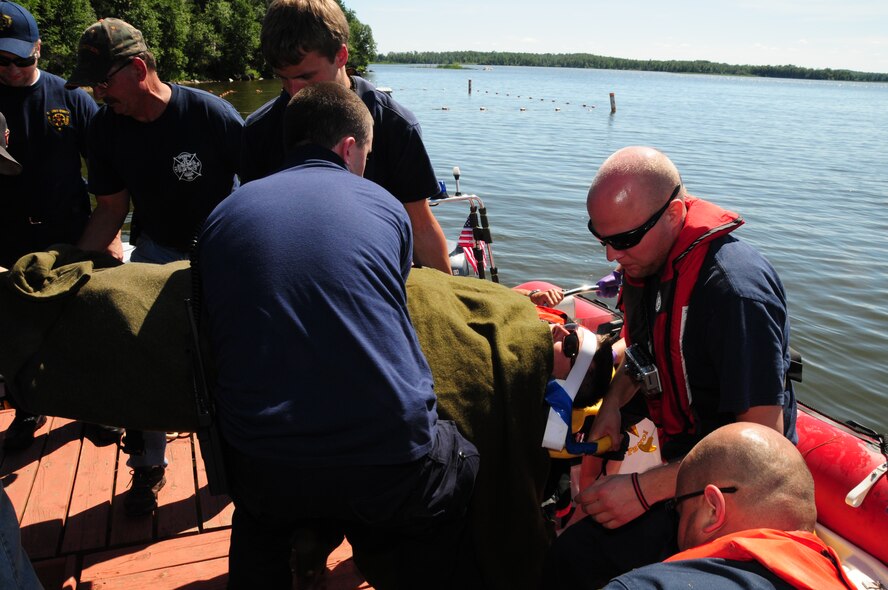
{"points": [[804, 162]]}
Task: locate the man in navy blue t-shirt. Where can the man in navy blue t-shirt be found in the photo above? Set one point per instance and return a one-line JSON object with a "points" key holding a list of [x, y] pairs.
{"points": [[171, 150], [306, 43], [48, 202], [322, 392]]}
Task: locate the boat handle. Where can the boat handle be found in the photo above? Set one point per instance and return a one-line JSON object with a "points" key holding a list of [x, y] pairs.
{"points": [[856, 496]]}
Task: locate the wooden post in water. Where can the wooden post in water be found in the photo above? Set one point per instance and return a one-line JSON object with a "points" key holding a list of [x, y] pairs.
{"points": [[470, 87], [613, 104]]}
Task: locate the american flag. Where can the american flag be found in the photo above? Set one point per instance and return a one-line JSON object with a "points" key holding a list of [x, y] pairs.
{"points": [[467, 241]]}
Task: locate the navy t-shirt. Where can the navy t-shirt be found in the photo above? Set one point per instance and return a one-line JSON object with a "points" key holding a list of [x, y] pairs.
{"points": [[709, 573], [48, 202], [736, 338], [304, 301], [398, 161], [176, 168]]}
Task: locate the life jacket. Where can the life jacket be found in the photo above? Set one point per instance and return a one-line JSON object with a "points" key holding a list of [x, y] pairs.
{"points": [[552, 315], [797, 557], [655, 309]]}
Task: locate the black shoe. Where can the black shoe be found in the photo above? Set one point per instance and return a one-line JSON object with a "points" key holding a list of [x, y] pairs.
{"points": [[142, 497], [102, 435], [20, 433]]}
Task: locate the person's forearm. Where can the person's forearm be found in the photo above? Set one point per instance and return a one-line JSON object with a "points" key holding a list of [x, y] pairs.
{"points": [[429, 243], [658, 483], [622, 388], [430, 249], [104, 223]]}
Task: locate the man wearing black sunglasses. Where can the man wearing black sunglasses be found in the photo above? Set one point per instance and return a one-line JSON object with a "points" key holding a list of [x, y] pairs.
{"points": [[48, 202], [710, 312], [746, 520]]}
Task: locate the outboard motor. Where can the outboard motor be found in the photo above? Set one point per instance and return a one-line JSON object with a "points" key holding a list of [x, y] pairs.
{"points": [[459, 265]]}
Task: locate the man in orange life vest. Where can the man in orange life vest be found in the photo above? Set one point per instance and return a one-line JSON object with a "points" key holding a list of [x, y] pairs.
{"points": [[745, 500], [709, 312]]}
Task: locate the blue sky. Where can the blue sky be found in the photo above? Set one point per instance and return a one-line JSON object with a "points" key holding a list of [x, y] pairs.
{"points": [[850, 34]]}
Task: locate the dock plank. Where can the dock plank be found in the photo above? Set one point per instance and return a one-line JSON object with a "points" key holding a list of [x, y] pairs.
{"points": [[161, 555], [59, 573], [19, 468], [204, 575], [47, 507], [177, 500], [90, 510]]}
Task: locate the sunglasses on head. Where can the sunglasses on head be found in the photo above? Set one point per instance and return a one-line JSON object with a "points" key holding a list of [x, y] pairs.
{"points": [[19, 62], [673, 502], [570, 346], [631, 238]]}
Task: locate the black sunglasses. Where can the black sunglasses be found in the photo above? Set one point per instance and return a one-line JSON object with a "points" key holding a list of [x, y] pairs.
{"points": [[570, 346], [628, 239], [672, 503], [19, 62]]}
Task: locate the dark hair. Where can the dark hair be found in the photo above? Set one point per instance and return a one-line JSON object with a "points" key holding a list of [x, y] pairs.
{"points": [[323, 114], [293, 28]]}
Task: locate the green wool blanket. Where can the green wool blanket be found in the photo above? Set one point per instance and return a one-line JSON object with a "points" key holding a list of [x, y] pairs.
{"points": [[84, 337], [491, 357]]}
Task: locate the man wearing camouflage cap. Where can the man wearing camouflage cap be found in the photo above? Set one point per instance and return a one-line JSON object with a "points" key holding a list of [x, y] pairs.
{"points": [[171, 150]]}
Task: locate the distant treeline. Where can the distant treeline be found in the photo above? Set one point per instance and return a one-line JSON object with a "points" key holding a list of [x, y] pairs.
{"points": [[202, 39], [587, 60]]}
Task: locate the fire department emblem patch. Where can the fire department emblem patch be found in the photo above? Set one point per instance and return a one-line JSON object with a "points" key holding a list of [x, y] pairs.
{"points": [[59, 118], [187, 166]]}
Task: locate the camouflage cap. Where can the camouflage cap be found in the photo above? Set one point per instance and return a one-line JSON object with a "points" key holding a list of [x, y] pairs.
{"points": [[8, 164], [103, 44]]}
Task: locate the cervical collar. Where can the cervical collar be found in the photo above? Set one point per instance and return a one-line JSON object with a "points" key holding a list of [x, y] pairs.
{"points": [[560, 394]]}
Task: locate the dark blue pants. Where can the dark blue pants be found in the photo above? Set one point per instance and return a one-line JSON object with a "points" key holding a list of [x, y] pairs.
{"points": [[406, 523]]}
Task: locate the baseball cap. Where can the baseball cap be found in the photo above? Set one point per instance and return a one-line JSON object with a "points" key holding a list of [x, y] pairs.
{"points": [[103, 44], [8, 164], [18, 29]]}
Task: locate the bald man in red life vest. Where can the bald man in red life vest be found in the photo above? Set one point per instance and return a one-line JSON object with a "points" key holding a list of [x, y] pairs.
{"points": [[706, 314]]}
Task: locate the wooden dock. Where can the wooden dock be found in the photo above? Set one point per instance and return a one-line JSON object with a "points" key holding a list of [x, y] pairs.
{"points": [[68, 495]]}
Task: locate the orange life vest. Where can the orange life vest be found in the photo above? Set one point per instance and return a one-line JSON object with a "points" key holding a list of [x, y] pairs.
{"points": [[797, 557]]}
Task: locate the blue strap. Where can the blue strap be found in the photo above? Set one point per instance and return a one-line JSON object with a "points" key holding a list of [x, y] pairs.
{"points": [[558, 399]]}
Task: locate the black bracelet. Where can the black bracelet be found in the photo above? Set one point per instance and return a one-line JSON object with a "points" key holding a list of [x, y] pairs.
{"points": [[639, 494]]}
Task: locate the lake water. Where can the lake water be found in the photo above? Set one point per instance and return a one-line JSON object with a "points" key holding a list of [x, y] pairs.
{"points": [[804, 162]]}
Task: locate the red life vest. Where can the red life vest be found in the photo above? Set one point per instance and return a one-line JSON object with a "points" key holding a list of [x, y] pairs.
{"points": [[655, 316], [797, 557]]}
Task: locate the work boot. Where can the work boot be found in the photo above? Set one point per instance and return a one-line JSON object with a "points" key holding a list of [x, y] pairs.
{"points": [[20, 433], [142, 496]]}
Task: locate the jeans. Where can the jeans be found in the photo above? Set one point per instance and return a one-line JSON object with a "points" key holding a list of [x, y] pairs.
{"points": [[16, 571]]}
